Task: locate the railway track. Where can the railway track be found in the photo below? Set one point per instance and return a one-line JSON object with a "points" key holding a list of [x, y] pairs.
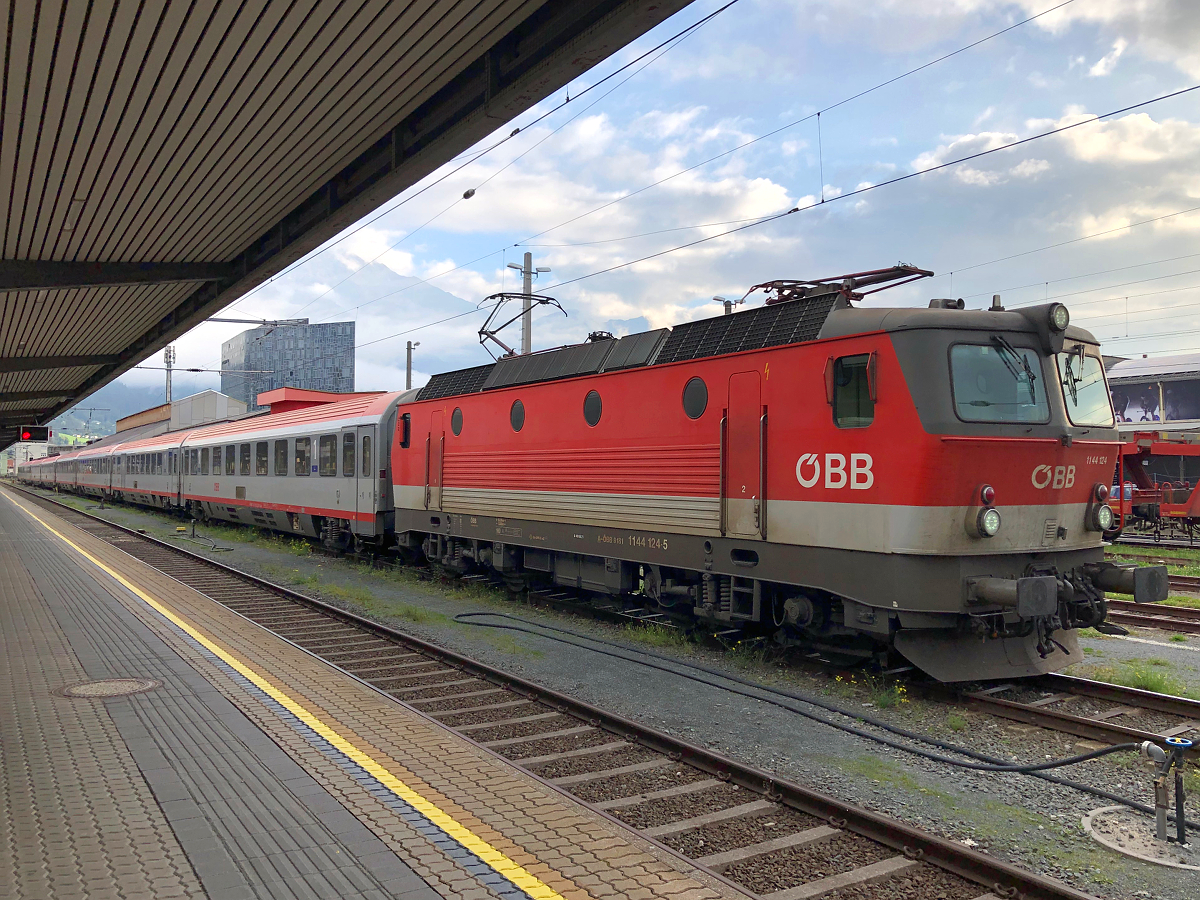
{"points": [[1093, 710], [1182, 619], [762, 835]]}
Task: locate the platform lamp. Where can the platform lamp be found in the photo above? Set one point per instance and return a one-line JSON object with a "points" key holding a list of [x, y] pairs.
{"points": [[408, 365]]}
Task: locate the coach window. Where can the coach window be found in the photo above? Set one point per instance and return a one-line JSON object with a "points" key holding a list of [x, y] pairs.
{"points": [[327, 454], [260, 458], [348, 454], [203, 460], [230, 459], [303, 455], [366, 456], [850, 389], [456, 421], [158, 463], [244, 459], [216, 460], [281, 457], [516, 415]]}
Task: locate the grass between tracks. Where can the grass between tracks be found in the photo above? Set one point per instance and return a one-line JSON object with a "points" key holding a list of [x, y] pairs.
{"points": [[1152, 674]]}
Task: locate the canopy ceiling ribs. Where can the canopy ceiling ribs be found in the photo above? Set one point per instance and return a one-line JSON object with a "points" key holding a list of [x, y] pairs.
{"points": [[159, 160]]}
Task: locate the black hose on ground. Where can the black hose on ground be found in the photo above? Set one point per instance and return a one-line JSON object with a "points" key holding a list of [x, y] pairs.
{"points": [[987, 763]]}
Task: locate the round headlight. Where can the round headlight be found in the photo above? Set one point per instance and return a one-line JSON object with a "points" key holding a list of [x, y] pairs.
{"points": [[1059, 317], [1104, 517], [988, 522]]}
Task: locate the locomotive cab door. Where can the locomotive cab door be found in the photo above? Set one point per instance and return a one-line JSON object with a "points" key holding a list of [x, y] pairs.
{"points": [[744, 478], [435, 445], [368, 484]]}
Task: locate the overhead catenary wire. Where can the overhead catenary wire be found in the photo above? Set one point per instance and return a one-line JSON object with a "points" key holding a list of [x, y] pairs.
{"points": [[814, 115], [721, 155], [473, 156], [891, 181]]}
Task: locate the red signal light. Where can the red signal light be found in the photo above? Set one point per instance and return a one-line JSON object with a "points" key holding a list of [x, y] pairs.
{"points": [[988, 495], [24, 435]]}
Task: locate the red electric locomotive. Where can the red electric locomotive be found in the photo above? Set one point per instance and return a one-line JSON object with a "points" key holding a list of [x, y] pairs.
{"points": [[931, 482]]}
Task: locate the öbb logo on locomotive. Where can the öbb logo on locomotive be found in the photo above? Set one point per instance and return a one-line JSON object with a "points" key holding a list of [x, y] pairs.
{"points": [[633, 498], [1053, 476], [860, 477]]}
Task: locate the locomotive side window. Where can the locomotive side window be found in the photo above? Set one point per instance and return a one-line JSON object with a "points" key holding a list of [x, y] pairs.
{"points": [[998, 382], [593, 407], [216, 460], [327, 454], [244, 459], [456, 421], [366, 456], [853, 405], [281, 457], [348, 454], [516, 415], [303, 455], [230, 459], [695, 398], [260, 458], [1084, 389], [406, 430]]}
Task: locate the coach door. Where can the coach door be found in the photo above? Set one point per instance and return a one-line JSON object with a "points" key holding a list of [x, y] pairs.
{"points": [[368, 483], [745, 470], [435, 444]]}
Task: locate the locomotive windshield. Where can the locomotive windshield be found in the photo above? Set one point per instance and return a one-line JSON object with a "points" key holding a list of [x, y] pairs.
{"points": [[998, 382], [1084, 388]]}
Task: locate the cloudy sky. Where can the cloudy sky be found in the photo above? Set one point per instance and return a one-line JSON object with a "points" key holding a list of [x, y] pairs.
{"points": [[985, 227]]}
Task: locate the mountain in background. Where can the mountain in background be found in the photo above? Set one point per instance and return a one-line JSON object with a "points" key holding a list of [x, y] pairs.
{"points": [[97, 415]]}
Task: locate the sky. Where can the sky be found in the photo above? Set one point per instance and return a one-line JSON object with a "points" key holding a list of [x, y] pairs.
{"points": [[1054, 218]]}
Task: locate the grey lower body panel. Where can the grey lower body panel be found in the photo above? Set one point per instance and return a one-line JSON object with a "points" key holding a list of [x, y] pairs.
{"points": [[921, 584]]}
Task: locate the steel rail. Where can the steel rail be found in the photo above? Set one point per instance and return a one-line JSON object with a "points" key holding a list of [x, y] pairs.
{"points": [[997, 876], [1182, 619]]}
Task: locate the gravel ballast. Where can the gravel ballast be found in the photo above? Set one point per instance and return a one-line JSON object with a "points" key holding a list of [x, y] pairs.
{"points": [[664, 810], [797, 865], [741, 832]]}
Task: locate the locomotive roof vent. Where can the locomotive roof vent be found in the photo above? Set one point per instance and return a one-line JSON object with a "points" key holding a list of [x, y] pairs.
{"points": [[947, 303]]}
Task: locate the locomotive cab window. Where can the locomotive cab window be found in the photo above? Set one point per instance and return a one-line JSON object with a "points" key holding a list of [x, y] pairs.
{"points": [[1084, 388], [998, 382], [281, 457], [348, 454], [850, 389]]}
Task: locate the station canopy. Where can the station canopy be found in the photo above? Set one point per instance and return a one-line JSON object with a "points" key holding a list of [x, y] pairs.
{"points": [[160, 159]]}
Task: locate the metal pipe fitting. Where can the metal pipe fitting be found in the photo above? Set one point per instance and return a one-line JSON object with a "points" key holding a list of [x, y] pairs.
{"points": [[1030, 597], [1147, 584]]}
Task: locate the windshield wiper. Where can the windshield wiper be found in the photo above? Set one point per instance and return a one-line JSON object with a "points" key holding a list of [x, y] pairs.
{"points": [[1010, 357], [1071, 380]]}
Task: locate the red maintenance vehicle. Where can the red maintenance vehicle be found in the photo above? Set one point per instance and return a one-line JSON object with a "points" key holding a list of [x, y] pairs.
{"points": [[1158, 487]]}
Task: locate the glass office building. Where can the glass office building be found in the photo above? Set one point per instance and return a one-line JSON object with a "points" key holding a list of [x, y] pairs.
{"points": [[313, 357]]}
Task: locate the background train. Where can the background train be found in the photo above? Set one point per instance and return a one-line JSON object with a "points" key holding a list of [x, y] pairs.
{"points": [[865, 481]]}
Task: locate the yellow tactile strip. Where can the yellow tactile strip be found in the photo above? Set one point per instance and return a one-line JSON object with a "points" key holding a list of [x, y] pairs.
{"points": [[554, 844], [77, 818]]}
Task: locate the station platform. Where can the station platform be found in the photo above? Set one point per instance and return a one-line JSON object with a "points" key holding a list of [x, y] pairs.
{"points": [[156, 744]]}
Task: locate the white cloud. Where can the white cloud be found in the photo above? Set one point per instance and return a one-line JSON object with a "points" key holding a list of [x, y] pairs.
{"points": [[1108, 62], [1029, 168]]}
